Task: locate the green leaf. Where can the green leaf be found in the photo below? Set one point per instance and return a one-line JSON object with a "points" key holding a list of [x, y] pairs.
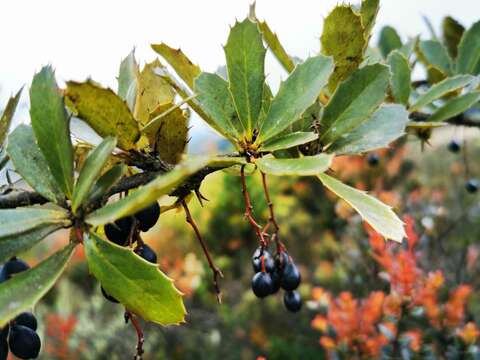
{"points": [[23, 219], [368, 12], [139, 285], [13, 245], [343, 38], [215, 100], [354, 101], [146, 195], [152, 90], [275, 46], [377, 214], [104, 111], [296, 94], [127, 80], [452, 34], [51, 127], [91, 170], [30, 163], [288, 141], [436, 55], [106, 182], [388, 41], [400, 76], [440, 89], [245, 56], [304, 166], [384, 126], [182, 65], [7, 116], [468, 61], [25, 289], [455, 106]]}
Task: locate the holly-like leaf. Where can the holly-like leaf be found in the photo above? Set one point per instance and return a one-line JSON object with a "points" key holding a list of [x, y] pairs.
{"points": [[104, 111], [441, 89], [106, 182], [245, 55], [139, 285], [152, 91], [13, 245], [354, 101], [127, 80], [452, 34], [146, 195], [343, 38], [388, 41], [296, 94], [288, 141], [91, 170], [384, 126], [30, 163], [436, 55], [400, 76], [368, 11], [468, 61], [168, 135], [455, 106], [215, 100], [20, 220], [7, 116], [380, 216], [52, 128], [304, 166], [182, 65], [25, 289], [276, 47]]}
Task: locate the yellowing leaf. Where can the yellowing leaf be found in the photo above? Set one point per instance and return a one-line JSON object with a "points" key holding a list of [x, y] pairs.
{"points": [[452, 33], [7, 116], [104, 111], [275, 46]]}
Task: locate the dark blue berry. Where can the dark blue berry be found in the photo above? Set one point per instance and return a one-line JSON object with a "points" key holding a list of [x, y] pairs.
{"points": [[281, 259], [373, 159], [119, 231], [257, 260], [3, 349], [291, 277], [292, 301], [147, 253], [262, 284], [148, 217], [276, 276], [24, 342], [4, 332], [13, 266], [26, 319], [471, 186], [454, 146]]}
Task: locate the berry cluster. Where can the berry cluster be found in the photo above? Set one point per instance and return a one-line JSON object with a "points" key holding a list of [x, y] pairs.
{"points": [[125, 232], [19, 336], [471, 185], [272, 274]]}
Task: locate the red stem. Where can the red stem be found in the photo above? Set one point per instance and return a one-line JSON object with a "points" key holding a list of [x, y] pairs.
{"points": [[140, 338], [271, 219]]}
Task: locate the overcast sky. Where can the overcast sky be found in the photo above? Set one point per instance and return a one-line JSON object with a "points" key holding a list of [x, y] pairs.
{"points": [[89, 37]]}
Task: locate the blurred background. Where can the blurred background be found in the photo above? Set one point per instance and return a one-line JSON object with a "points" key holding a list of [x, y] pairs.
{"points": [[345, 269]]}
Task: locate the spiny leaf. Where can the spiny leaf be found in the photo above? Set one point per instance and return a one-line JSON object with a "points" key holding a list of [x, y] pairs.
{"points": [[383, 127], [182, 65], [152, 91], [304, 166], [288, 141], [296, 94], [91, 170], [354, 101], [440, 89], [388, 41], [468, 61], [400, 76], [455, 106], [139, 285], [127, 80], [378, 215], [245, 56], [436, 55], [452, 33], [30, 163], [7, 116], [25, 289], [276, 47], [368, 12], [146, 195], [104, 111], [52, 128], [343, 38]]}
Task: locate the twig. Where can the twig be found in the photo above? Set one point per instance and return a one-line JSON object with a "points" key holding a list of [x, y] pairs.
{"points": [[138, 330], [459, 120], [271, 219], [216, 271]]}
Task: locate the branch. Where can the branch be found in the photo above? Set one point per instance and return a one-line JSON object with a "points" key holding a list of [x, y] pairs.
{"points": [[459, 120]]}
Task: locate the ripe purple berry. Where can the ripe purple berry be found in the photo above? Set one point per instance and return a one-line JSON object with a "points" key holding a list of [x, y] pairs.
{"points": [[262, 284]]}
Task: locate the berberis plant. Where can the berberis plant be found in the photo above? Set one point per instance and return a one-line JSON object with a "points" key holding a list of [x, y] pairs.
{"points": [[346, 100]]}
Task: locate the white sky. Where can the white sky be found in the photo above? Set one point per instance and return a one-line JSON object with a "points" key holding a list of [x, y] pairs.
{"points": [[84, 38]]}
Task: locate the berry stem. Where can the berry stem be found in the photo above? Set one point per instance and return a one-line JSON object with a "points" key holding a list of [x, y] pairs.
{"points": [[138, 330], [216, 271], [79, 234], [271, 219], [248, 210]]}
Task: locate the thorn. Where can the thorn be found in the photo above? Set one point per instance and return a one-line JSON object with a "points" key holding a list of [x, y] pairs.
{"points": [[200, 197]]}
